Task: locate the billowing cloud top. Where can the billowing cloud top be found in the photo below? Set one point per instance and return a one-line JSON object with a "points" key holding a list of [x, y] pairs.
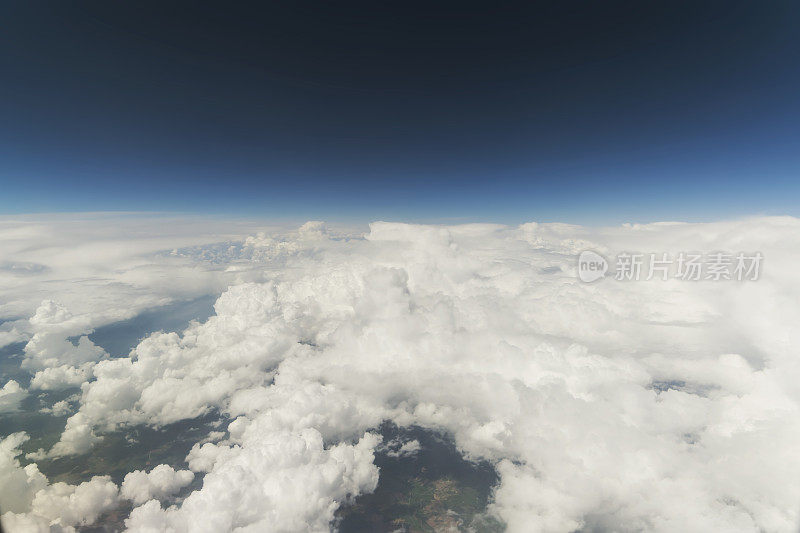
{"points": [[626, 406]]}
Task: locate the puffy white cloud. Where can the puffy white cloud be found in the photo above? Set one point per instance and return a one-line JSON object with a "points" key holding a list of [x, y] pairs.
{"points": [[29, 523], [78, 437], [214, 436], [162, 481], [657, 405], [73, 505], [62, 377], [273, 481], [11, 395], [58, 362], [10, 334], [30, 504], [18, 484], [48, 350], [54, 316], [398, 448], [60, 408]]}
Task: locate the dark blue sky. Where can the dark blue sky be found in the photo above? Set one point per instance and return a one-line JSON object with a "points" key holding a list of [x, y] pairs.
{"points": [[592, 112]]}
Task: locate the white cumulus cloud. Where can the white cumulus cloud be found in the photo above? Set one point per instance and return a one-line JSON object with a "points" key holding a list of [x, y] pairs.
{"points": [[162, 481], [30, 504], [11, 395]]}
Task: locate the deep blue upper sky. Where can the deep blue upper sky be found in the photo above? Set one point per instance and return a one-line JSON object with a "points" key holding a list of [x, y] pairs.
{"points": [[573, 111]]}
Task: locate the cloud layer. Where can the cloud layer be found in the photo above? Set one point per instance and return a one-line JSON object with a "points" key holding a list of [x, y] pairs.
{"points": [[656, 405]]}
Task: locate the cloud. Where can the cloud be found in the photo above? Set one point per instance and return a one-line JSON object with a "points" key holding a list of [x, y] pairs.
{"points": [[78, 437], [162, 481], [655, 405], [29, 523], [11, 395], [23, 269], [31, 504], [73, 505], [62, 377], [9, 334], [103, 267], [273, 481], [398, 448], [60, 408], [18, 485]]}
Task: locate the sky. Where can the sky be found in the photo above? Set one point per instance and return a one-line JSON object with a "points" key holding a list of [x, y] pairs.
{"points": [[585, 112]]}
